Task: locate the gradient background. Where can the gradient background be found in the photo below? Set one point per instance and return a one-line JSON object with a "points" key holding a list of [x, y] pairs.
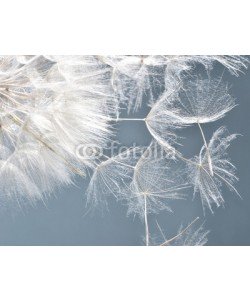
{"points": [[64, 221]]}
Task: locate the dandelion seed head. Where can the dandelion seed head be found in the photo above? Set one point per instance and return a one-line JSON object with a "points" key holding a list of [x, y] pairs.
{"points": [[46, 112]]}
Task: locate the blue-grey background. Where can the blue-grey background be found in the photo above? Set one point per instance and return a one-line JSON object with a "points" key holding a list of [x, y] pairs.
{"points": [[64, 221]]}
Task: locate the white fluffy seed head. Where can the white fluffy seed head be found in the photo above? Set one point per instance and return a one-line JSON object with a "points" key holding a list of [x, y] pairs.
{"points": [[49, 107]]}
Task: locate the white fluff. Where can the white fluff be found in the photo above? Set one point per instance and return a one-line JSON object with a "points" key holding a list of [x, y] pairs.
{"points": [[47, 110], [136, 77], [156, 182], [51, 105], [198, 101], [208, 186]]}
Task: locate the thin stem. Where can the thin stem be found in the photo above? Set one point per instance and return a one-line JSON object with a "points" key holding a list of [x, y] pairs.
{"points": [[146, 221], [208, 152], [186, 159], [179, 234], [159, 227]]}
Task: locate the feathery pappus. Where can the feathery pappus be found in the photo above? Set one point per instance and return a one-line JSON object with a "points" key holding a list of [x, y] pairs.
{"points": [[48, 107]]}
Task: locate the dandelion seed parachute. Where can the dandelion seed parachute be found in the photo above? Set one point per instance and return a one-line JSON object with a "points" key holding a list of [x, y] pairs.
{"points": [[137, 77], [157, 181], [235, 64], [111, 178], [190, 235], [179, 65], [198, 101], [134, 77], [206, 186], [194, 236], [134, 173]]}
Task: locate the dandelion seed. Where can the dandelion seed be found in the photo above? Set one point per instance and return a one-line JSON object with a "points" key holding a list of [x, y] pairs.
{"points": [[209, 187], [198, 101], [156, 181], [111, 178], [176, 65], [135, 77], [235, 64], [192, 235]]}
